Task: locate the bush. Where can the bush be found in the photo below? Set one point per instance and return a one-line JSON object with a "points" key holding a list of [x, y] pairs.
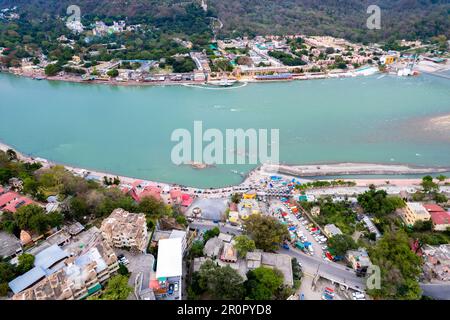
{"points": [[113, 73], [123, 270], [52, 69], [211, 234]]}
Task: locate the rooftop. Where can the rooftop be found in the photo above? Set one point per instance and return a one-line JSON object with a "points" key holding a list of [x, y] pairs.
{"points": [[211, 209], [433, 207], [440, 217], [49, 257], [169, 263], [27, 279], [332, 229], [9, 244], [212, 247], [418, 208]]}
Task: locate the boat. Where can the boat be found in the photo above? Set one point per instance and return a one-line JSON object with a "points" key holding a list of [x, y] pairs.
{"points": [[38, 78], [199, 165], [224, 82]]}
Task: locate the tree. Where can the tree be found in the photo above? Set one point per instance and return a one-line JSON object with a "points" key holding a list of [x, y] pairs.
{"points": [[440, 197], [244, 244], [32, 217], [113, 73], [7, 273], [153, 208], [428, 185], [123, 270], [341, 243], [196, 250], [78, 208], [263, 283], [267, 232], [296, 270], [236, 198], [30, 186], [400, 268], [117, 288], [211, 234], [52, 69], [4, 289], [441, 178], [422, 225], [221, 283], [26, 263], [378, 203]]}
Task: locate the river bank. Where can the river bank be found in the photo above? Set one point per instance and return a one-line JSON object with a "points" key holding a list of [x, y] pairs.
{"points": [[305, 172], [168, 82], [343, 169]]}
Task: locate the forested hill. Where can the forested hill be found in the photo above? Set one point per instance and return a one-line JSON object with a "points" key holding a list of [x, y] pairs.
{"points": [[344, 18]]}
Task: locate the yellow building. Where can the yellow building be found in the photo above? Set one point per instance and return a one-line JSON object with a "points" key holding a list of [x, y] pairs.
{"points": [[413, 212], [388, 59], [249, 195]]}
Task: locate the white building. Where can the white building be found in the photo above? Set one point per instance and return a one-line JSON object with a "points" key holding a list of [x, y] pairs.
{"points": [[169, 267]]}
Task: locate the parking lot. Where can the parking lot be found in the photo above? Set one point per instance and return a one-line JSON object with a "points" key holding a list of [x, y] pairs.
{"points": [[301, 233], [308, 291], [137, 263]]}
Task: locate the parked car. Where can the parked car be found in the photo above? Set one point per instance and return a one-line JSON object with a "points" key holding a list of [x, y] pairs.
{"points": [[176, 286], [358, 295], [326, 296], [171, 287], [330, 291]]}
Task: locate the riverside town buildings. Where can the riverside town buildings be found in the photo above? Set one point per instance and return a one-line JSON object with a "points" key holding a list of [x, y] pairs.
{"points": [[125, 229]]}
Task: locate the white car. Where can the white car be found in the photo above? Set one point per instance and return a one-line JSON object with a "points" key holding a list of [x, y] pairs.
{"points": [[324, 247], [175, 287], [358, 295]]}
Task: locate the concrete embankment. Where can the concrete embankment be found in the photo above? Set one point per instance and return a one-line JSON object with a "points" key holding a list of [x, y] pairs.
{"points": [[342, 169]]}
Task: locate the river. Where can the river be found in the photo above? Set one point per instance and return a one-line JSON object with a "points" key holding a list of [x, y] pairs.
{"points": [[127, 130]]}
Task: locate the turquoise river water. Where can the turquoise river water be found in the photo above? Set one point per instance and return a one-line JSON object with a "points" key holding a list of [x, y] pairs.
{"points": [[127, 130]]}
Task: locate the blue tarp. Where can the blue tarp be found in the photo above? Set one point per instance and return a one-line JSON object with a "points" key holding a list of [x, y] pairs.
{"points": [[27, 279], [48, 257]]}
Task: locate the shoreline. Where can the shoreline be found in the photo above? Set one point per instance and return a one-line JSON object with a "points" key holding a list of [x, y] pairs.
{"points": [[425, 69], [288, 171], [134, 83]]}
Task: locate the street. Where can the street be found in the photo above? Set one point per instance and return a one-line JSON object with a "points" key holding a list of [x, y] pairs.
{"points": [[335, 272], [436, 290]]}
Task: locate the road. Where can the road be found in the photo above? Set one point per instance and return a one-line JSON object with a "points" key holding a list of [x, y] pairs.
{"points": [[310, 264], [327, 269], [436, 290]]}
